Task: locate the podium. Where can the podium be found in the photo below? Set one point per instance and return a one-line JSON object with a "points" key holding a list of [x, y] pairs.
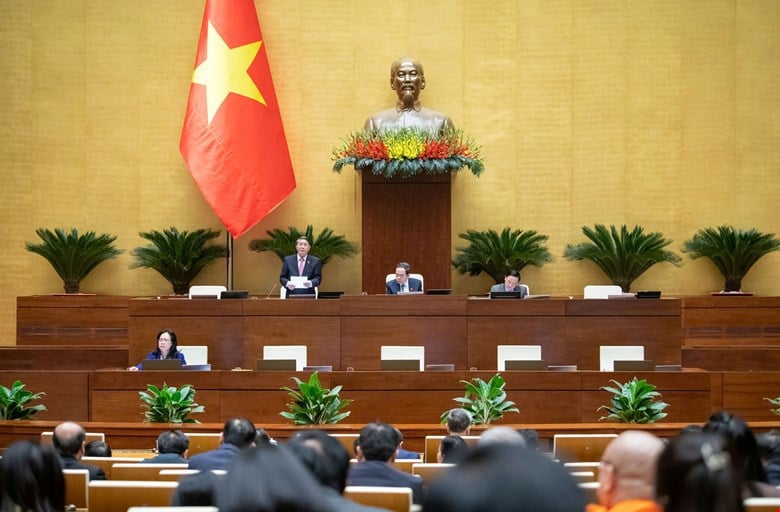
{"points": [[406, 219]]}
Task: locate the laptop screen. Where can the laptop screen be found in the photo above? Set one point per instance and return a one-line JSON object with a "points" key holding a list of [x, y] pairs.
{"points": [[161, 364]]}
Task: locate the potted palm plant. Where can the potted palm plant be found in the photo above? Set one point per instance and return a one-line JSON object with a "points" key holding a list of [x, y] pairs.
{"points": [[733, 251], [72, 255], [178, 256], [497, 253], [635, 401], [311, 404], [623, 255], [14, 402], [486, 401], [325, 246]]}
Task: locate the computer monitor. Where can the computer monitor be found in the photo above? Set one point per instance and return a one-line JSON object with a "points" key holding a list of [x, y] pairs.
{"points": [[161, 364], [506, 295]]}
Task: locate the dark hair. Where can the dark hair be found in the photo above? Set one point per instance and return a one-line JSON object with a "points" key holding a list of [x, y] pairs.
{"points": [[31, 478], [239, 432], [268, 479], [458, 420], [70, 445], [505, 478], [172, 354], [453, 449], [769, 444], [743, 444], [323, 455], [262, 436], [197, 490], [513, 273], [97, 448], [697, 473], [405, 266], [378, 441], [173, 441], [531, 437]]}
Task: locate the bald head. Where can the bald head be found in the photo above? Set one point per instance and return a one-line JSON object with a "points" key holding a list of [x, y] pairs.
{"points": [[628, 468], [69, 439]]}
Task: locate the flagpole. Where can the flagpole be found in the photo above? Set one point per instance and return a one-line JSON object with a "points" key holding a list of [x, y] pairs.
{"points": [[229, 262]]}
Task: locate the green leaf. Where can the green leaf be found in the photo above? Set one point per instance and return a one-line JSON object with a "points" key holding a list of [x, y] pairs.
{"points": [[633, 402], [312, 404], [169, 404], [14, 400], [485, 401], [325, 246]]}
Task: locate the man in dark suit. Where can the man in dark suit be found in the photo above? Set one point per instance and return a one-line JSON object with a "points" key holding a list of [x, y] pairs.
{"points": [[69, 442], [238, 434], [511, 284], [172, 448], [402, 282], [376, 449], [301, 264]]}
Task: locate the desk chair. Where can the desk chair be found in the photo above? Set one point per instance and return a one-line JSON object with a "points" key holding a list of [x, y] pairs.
{"points": [[203, 291], [195, 354], [395, 499], [77, 487], [598, 291]]}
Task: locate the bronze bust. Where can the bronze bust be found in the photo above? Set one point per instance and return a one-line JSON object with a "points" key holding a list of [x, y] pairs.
{"points": [[407, 80]]}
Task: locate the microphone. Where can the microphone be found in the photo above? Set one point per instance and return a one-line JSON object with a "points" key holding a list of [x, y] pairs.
{"points": [[272, 290]]}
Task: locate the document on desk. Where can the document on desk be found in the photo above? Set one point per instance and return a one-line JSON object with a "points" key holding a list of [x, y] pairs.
{"points": [[299, 281]]}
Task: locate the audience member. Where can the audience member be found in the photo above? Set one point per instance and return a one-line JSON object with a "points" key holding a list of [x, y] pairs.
{"points": [[402, 453], [458, 422], [172, 448], [270, 479], [377, 446], [627, 474], [505, 478], [198, 490], [501, 435], [510, 284], [262, 437], [697, 473], [238, 434], [531, 437], [97, 449], [167, 348], [68, 440], [31, 479], [327, 459], [745, 450], [452, 450], [402, 282], [769, 449]]}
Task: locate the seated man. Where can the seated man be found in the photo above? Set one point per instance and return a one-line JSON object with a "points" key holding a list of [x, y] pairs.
{"points": [[458, 422], [402, 282], [172, 448], [627, 474], [376, 450], [69, 442], [238, 434], [511, 284], [97, 449]]}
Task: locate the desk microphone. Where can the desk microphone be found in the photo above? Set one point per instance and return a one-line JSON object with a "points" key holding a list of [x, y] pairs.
{"points": [[272, 290]]}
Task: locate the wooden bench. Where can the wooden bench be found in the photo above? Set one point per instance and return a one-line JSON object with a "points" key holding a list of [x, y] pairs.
{"points": [[175, 475], [203, 441], [762, 504], [432, 444], [117, 495], [48, 437], [348, 442], [77, 487], [106, 463], [141, 471], [395, 499], [430, 471], [580, 447]]}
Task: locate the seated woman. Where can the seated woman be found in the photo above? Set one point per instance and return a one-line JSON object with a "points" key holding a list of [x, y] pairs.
{"points": [[166, 349]]}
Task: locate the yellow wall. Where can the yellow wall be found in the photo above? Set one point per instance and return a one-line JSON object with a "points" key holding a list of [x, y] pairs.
{"points": [[661, 113]]}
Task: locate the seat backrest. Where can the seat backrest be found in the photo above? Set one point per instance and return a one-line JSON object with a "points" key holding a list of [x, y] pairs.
{"points": [[141, 471], [175, 475], [580, 447], [403, 352], [517, 353], [601, 291], [405, 465], [203, 441], [106, 463], [583, 476], [76, 487], [432, 446], [430, 471], [525, 288], [348, 442], [396, 499], [391, 277], [195, 354], [761, 504], [209, 290], [576, 467], [48, 436], [297, 352], [122, 494], [609, 353]]}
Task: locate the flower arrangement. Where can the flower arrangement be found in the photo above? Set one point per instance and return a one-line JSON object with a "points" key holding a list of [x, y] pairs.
{"points": [[407, 152]]}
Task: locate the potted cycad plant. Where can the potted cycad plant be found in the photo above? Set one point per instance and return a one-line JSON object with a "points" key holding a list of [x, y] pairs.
{"points": [[169, 404], [14, 402], [178, 256], [72, 255], [325, 246], [311, 404], [496, 253], [623, 255], [635, 401], [486, 401], [733, 251]]}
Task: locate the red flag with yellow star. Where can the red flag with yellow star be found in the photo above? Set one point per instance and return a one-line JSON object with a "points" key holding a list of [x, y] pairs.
{"points": [[233, 140]]}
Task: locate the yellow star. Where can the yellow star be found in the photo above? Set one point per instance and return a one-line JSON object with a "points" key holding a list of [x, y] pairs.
{"points": [[225, 71]]}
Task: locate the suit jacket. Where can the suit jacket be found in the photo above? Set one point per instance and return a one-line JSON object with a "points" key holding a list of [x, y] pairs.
{"points": [[378, 473], [153, 355], [71, 462], [167, 458], [500, 288], [413, 285], [312, 269], [214, 459]]}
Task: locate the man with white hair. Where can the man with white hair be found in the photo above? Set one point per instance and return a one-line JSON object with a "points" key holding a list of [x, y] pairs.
{"points": [[627, 474]]}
